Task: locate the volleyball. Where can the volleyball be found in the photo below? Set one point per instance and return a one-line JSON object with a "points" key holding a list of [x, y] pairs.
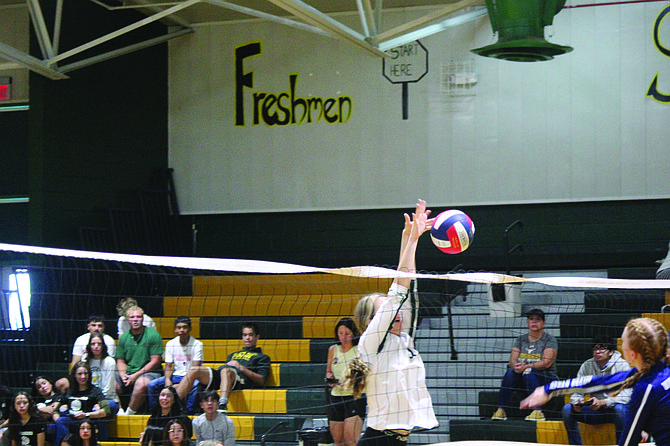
{"points": [[452, 231]]}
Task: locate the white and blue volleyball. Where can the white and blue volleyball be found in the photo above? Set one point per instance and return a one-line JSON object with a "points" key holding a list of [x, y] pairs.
{"points": [[452, 231]]}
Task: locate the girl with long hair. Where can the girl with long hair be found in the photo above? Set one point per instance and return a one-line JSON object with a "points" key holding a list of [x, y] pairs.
{"points": [[82, 400], [645, 347], [175, 434], [85, 434], [26, 428], [47, 401], [169, 407], [103, 369], [390, 369], [345, 413]]}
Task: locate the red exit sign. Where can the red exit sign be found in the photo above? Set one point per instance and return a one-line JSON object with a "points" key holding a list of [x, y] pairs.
{"points": [[5, 88]]}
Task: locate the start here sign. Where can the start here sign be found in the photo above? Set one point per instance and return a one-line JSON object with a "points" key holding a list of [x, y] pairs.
{"points": [[406, 63]]}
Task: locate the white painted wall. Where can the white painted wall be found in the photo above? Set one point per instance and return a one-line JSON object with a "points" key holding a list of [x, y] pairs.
{"points": [[14, 23], [579, 127]]}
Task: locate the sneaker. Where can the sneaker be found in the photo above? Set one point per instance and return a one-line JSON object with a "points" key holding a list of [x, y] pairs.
{"points": [[121, 411], [535, 415], [223, 408], [499, 415]]}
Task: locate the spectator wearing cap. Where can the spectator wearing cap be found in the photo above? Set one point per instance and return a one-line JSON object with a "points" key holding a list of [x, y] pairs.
{"points": [[531, 364], [600, 408]]}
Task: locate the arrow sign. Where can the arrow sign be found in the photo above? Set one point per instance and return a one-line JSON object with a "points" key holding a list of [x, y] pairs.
{"points": [[406, 64]]}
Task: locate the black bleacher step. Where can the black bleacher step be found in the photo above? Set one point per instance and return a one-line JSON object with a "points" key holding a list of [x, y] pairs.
{"points": [[568, 370], [488, 430], [318, 350], [624, 301], [488, 403], [270, 327], [284, 433], [306, 401], [586, 326], [301, 374], [575, 349], [52, 370], [648, 272]]}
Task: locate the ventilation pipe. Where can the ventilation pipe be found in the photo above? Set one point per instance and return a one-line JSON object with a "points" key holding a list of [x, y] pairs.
{"points": [[520, 26]]}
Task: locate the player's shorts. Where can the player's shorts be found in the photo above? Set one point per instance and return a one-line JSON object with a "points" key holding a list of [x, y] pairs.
{"points": [[343, 407]]}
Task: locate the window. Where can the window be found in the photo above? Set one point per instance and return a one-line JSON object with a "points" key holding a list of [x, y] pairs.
{"points": [[16, 303]]}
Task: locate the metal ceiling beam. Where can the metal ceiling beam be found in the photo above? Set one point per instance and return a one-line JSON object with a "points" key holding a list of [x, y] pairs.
{"points": [[266, 16], [433, 29], [369, 17], [125, 50], [326, 23], [29, 62], [127, 29], [40, 28], [144, 5], [424, 21], [57, 24]]}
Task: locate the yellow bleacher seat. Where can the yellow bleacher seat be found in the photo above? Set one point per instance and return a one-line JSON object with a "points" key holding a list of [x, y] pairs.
{"points": [[551, 432], [257, 285], [264, 305], [274, 295], [319, 327], [279, 350], [258, 401], [598, 435]]}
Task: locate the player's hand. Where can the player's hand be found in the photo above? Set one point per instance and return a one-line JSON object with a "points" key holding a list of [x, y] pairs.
{"points": [[536, 399], [420, 208]]}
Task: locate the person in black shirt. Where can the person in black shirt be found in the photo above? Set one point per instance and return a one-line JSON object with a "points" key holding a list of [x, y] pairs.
{"points": [[47, 401], [82, 400], [25, 426]]}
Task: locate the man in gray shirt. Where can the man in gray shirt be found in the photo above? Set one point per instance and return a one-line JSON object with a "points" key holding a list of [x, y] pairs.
{"points": [[601, 408], [212, 425]]}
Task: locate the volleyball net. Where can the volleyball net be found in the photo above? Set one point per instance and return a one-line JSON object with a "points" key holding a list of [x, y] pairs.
{"points": [[466, 326]]}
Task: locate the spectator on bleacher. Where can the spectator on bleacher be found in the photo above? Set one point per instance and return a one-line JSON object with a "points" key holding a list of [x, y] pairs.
{"points": [[181, 353], [663, 271], [345, 413], [152, 436], [393, 373], [25, 426], [212, 425], [601, 408], [103, 369], [175, 434], [82, 400], [168, 408], [96, 324], [6, 399], [243, 369], [210, 443], [645, 347], [138, 360], [47, 402], [122, 309], [531, 364], [85, 434]]}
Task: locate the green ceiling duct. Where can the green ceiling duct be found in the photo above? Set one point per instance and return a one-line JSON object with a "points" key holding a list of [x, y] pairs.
{"points": [[520, 25]]}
